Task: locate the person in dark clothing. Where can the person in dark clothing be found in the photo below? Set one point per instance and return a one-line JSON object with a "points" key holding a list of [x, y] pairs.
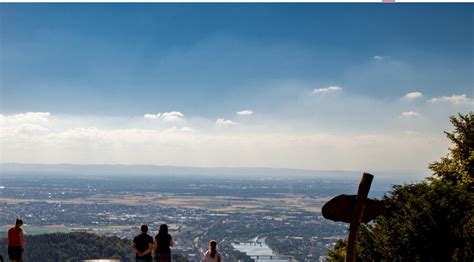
{"points": [[163, 242], [142, 246]]}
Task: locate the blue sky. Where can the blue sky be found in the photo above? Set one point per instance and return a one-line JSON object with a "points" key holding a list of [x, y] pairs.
{"points": [[106, 66]]}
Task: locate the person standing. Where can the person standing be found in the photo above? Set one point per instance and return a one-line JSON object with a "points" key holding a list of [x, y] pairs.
{"points": [[212, 255], [163, 244], [16, 242], [142, 245]]}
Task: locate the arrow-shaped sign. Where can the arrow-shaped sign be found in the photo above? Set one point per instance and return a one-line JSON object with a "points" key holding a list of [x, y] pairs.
{"points": [[341, 208]]}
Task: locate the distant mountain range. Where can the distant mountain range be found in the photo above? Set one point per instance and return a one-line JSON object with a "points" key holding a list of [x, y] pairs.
{"points": [[155, 170]]}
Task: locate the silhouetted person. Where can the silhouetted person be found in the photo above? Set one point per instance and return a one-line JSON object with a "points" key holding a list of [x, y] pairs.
{"points": [[142, 246], [211, 255], [16, 242], [163, 242]]}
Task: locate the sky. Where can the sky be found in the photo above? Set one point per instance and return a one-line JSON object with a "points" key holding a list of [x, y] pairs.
{"points": [[313, 86]]}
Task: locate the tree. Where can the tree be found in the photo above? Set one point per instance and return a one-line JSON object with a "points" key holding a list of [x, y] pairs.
{"points": [[422, 222], [458, 165], [432, 220], [338, 252]]}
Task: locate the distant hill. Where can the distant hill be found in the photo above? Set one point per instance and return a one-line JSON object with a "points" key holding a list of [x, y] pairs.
{"points": [[74, 247], [156, 170]]}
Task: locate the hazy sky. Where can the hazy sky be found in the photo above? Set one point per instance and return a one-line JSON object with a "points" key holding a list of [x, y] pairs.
{"points": [[313, 86]]}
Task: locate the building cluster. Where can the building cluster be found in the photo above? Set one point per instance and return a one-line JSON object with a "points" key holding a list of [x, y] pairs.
{"points": [[290, 234]]}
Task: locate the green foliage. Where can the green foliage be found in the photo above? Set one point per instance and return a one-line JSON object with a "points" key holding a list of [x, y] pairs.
{"points": [[458, 165], [428, 221], [422, 222], [338, 252], [77, 246], [73, 247]]}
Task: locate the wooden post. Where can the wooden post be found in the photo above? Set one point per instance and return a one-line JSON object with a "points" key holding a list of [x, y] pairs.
{"points": [[361, 198]]}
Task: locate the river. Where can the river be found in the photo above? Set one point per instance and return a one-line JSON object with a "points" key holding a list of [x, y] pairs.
{"points": [[257, 249]]}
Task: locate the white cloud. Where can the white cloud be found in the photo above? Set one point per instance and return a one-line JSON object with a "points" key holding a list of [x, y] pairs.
{"points": [[409, 114], [273, 141], [224, 122], [380, 58], [454, 99], [30, 123], [244, 113], [172, 116], [377, 58], [152, 116], [21, 130], [413, 95], [29, 117], [175, 146], [166, 116], [326, 90], [82, 133]]}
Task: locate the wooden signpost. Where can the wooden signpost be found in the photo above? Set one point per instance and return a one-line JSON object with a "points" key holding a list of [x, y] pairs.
{"points": [[354, 209]]}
